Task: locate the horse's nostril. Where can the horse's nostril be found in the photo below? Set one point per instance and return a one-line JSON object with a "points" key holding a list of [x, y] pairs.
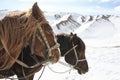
{"points": [[79, 71]]}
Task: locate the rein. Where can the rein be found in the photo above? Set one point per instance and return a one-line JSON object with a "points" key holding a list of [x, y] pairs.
{"points": [[25, 75]]}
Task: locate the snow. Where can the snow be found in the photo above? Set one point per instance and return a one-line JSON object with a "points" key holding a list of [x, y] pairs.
{"points": [[100, 32], [102, 40], [3, 13], [103, 65]]}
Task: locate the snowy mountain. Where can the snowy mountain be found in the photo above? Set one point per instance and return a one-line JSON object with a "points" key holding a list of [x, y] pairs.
{"points": [[62, 22], [101, 34], [100, 30]]}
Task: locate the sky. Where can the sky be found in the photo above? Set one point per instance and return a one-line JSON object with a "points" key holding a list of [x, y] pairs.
{"points": [[78, 6]]}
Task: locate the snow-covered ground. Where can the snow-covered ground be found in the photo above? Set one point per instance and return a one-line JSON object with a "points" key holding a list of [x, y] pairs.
{"points": [[101, 34], [103, 65]]}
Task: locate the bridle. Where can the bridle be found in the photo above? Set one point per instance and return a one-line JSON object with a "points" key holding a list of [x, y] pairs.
{"points": [[76, 55], [49, 48], [43, 39]]}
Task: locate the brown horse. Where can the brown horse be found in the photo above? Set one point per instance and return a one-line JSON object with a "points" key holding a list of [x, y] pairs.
{"points": [[73, 49], [67, 45], [26, 29]]}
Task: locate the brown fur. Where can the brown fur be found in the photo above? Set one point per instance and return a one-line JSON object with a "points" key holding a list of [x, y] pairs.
{"points": [[15, 34]]}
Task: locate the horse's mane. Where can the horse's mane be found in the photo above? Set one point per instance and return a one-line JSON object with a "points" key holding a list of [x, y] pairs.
{"points": [[17, 26], [16, 29], [63, 34]]}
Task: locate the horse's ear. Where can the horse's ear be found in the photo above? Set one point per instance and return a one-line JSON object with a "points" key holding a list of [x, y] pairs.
{"points": [[71, 34], [75, 34], [36, 11]]}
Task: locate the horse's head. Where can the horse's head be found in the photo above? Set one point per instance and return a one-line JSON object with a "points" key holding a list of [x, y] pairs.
{"points": [[20, 29], [79, 54], [42, 41], [73, 49]]}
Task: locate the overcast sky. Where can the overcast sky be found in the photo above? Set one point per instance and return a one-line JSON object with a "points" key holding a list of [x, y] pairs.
{"points": [[79, 6]]}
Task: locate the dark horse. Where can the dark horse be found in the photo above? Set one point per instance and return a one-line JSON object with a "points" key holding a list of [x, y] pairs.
{"points": [[18, 30], [71, 47]]}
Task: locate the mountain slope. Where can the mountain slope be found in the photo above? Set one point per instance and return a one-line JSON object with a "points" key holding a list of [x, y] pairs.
{"points": [[95, 30]]}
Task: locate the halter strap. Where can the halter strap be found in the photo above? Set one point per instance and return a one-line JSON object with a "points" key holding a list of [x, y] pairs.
{"points": [[77, 60], [70, 50], [73, 48], [46, 42]]}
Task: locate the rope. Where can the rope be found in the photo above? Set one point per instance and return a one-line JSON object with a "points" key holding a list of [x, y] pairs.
{"points": [[70, 50], [42, 72], [59, 72], [45, 39], [67, 65], [23, 72], [75, 54], [24, 75]]}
